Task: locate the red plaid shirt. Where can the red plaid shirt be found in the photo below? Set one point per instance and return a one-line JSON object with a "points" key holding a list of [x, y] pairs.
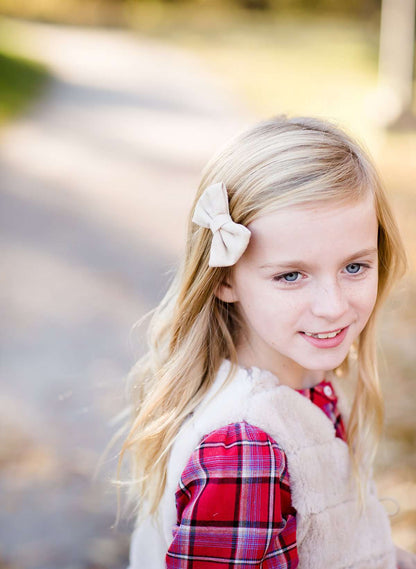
{"points": [[233, 500]]}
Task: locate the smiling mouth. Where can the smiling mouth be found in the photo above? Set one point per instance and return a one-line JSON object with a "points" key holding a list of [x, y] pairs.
{"points": [[324, 335]]}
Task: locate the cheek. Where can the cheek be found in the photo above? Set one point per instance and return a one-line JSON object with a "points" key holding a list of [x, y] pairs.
{"points": [[366, 297], [265, 311]]}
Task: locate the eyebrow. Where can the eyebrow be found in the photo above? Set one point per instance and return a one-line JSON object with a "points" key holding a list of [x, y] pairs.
{"points": [[302, 264]]}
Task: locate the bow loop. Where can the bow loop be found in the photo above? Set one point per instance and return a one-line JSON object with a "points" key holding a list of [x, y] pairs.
{"points": [[229, 239]]}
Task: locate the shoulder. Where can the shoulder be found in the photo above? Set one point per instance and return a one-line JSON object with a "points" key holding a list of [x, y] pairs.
{"points": [[237, 433], [252, 397], [234, 499], [236, 466], [235, 447]]}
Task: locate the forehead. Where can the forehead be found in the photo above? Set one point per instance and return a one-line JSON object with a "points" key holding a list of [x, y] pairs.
{"points": [[324, 228]]}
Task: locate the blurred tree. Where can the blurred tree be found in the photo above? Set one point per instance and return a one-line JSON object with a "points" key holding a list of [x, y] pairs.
{"points": [[256, 4], [361, 8], [396, 60], [110, 11]]}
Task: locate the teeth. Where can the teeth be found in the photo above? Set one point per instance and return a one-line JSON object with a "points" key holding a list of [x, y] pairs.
{"points": [[324, 336]]}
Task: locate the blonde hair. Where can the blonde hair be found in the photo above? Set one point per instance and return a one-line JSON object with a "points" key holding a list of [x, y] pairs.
{"points": [[279, 162]]}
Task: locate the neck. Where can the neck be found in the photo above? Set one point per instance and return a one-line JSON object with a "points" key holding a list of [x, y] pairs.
{"points": [[286, 370]]}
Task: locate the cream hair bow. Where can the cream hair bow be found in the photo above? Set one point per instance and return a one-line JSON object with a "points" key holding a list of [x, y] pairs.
{"points": [[229, 239]]}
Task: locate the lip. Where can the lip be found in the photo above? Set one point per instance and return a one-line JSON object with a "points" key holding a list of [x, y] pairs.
{"points": [[327, 342]]}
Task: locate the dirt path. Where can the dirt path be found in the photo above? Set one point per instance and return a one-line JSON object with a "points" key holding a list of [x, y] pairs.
{"points": [[96, 181]]}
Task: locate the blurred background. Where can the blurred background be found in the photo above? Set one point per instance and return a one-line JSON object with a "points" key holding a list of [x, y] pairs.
{"points": [[108, 111]]}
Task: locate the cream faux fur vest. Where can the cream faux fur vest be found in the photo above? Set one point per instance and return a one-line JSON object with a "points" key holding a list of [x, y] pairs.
{"points": [[330, 532]]}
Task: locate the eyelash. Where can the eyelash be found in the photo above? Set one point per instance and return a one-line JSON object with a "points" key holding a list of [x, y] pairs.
{"points": [[281, 278]]}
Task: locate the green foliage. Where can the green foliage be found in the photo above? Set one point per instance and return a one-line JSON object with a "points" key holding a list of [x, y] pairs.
{"points": [[20, 81]]}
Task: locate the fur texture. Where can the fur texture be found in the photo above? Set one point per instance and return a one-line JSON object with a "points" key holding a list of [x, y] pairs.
{"points": [[331, 534]]}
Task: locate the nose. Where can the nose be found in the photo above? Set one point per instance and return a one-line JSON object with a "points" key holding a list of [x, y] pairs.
{"points": [[330, 301]]}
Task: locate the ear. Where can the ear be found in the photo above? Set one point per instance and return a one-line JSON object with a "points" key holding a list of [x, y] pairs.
{"points": [[225, 292]]}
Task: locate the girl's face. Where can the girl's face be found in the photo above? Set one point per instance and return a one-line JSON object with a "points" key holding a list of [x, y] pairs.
{"points": [[305, 287]]}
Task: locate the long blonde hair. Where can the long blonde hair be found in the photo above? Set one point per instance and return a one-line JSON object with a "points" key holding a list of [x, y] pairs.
{"points": [[279, 162]]}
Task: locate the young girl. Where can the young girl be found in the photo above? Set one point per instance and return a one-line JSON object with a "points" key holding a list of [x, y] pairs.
{"points": [[243, 454]]}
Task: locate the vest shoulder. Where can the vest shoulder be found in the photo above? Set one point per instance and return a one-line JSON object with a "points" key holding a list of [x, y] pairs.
{"points": [[257, 398]]}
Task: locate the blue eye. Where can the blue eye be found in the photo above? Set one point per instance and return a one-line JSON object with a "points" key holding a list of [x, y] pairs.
{"points": [[353, 268], [290, 277]]}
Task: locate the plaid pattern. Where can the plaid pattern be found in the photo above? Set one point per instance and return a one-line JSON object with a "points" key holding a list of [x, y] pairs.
{"points": [[323, 395], [233, 500]]}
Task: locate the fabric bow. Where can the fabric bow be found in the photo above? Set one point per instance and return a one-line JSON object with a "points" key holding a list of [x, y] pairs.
{"points": [[229, 239]]}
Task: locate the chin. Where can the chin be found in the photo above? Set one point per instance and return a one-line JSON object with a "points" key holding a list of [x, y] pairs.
{"points": [[329, 362]]}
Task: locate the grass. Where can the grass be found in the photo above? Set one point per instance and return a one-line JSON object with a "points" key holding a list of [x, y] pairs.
{"points": [[20, 81]]}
